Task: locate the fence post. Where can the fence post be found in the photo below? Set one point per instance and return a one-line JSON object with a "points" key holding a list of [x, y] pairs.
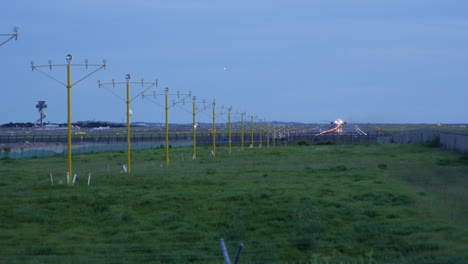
{"points": [[224, 251], [239, 249]]}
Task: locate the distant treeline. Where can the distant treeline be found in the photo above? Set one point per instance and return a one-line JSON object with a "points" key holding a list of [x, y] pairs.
{"points": [[28, 124], [98, 124], [86, 124]]}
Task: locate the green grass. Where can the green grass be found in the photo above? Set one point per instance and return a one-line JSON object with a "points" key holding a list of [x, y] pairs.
{"points": [[404, 128], [304, 204]]}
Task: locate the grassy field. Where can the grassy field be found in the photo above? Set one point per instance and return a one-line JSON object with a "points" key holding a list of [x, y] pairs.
{"points": [[298, 204], [405, 128]]}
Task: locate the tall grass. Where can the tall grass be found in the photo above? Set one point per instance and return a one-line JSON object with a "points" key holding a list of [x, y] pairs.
{"points": [[304, 204]]}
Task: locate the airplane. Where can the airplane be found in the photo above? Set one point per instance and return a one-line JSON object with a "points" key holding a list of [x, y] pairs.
{"points": [[101, 128], [338, 127], [338, 122]]}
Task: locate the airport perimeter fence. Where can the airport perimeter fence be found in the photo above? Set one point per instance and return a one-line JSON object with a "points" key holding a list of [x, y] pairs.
{"points": [[28, 146], [202, 138], [451, 141], [333, 138], [24, 147]]}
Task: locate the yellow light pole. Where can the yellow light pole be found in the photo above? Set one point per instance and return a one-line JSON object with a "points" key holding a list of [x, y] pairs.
{"points": [[194, 113], [166, 107], [252, 131], [167, 126], [274, 137], [128, 99], [229, 130], [195, 110], [214, 128], [220, 113], [242, 131], [268, 136], [69, 119], [261, 133], [68, 85]]}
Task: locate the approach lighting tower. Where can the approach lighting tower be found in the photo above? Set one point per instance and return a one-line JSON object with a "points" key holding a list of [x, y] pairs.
{"points": [[180, 99], [11, 36], [128, 100], [40, 107], [68, 85]]}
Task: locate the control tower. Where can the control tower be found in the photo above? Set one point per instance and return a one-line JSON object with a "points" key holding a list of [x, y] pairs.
{"points": [[40, 108]]}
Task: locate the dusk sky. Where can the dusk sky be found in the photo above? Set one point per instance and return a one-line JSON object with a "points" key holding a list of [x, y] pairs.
{"points": [[312, 61]]}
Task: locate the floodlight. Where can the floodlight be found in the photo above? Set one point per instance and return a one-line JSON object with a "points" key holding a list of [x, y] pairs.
{"points": [[127, 77], [69, 58]]}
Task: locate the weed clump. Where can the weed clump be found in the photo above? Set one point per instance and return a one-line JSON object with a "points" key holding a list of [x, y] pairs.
{"points": [[402, 200], [126, 216], [463, 160], [434, 143], [100, 208], [370, 213], [7, 151], [307, 224], [210, 171], [339, 168], [325, 143], [382, 166], [443, 162], [236, 224]]}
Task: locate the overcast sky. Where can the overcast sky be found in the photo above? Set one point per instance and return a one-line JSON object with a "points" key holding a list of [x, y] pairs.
{"points": [[377, 61]]}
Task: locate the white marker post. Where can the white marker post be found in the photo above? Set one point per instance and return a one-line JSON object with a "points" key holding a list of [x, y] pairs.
{"points": [[89, 178], [51, 179]]}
